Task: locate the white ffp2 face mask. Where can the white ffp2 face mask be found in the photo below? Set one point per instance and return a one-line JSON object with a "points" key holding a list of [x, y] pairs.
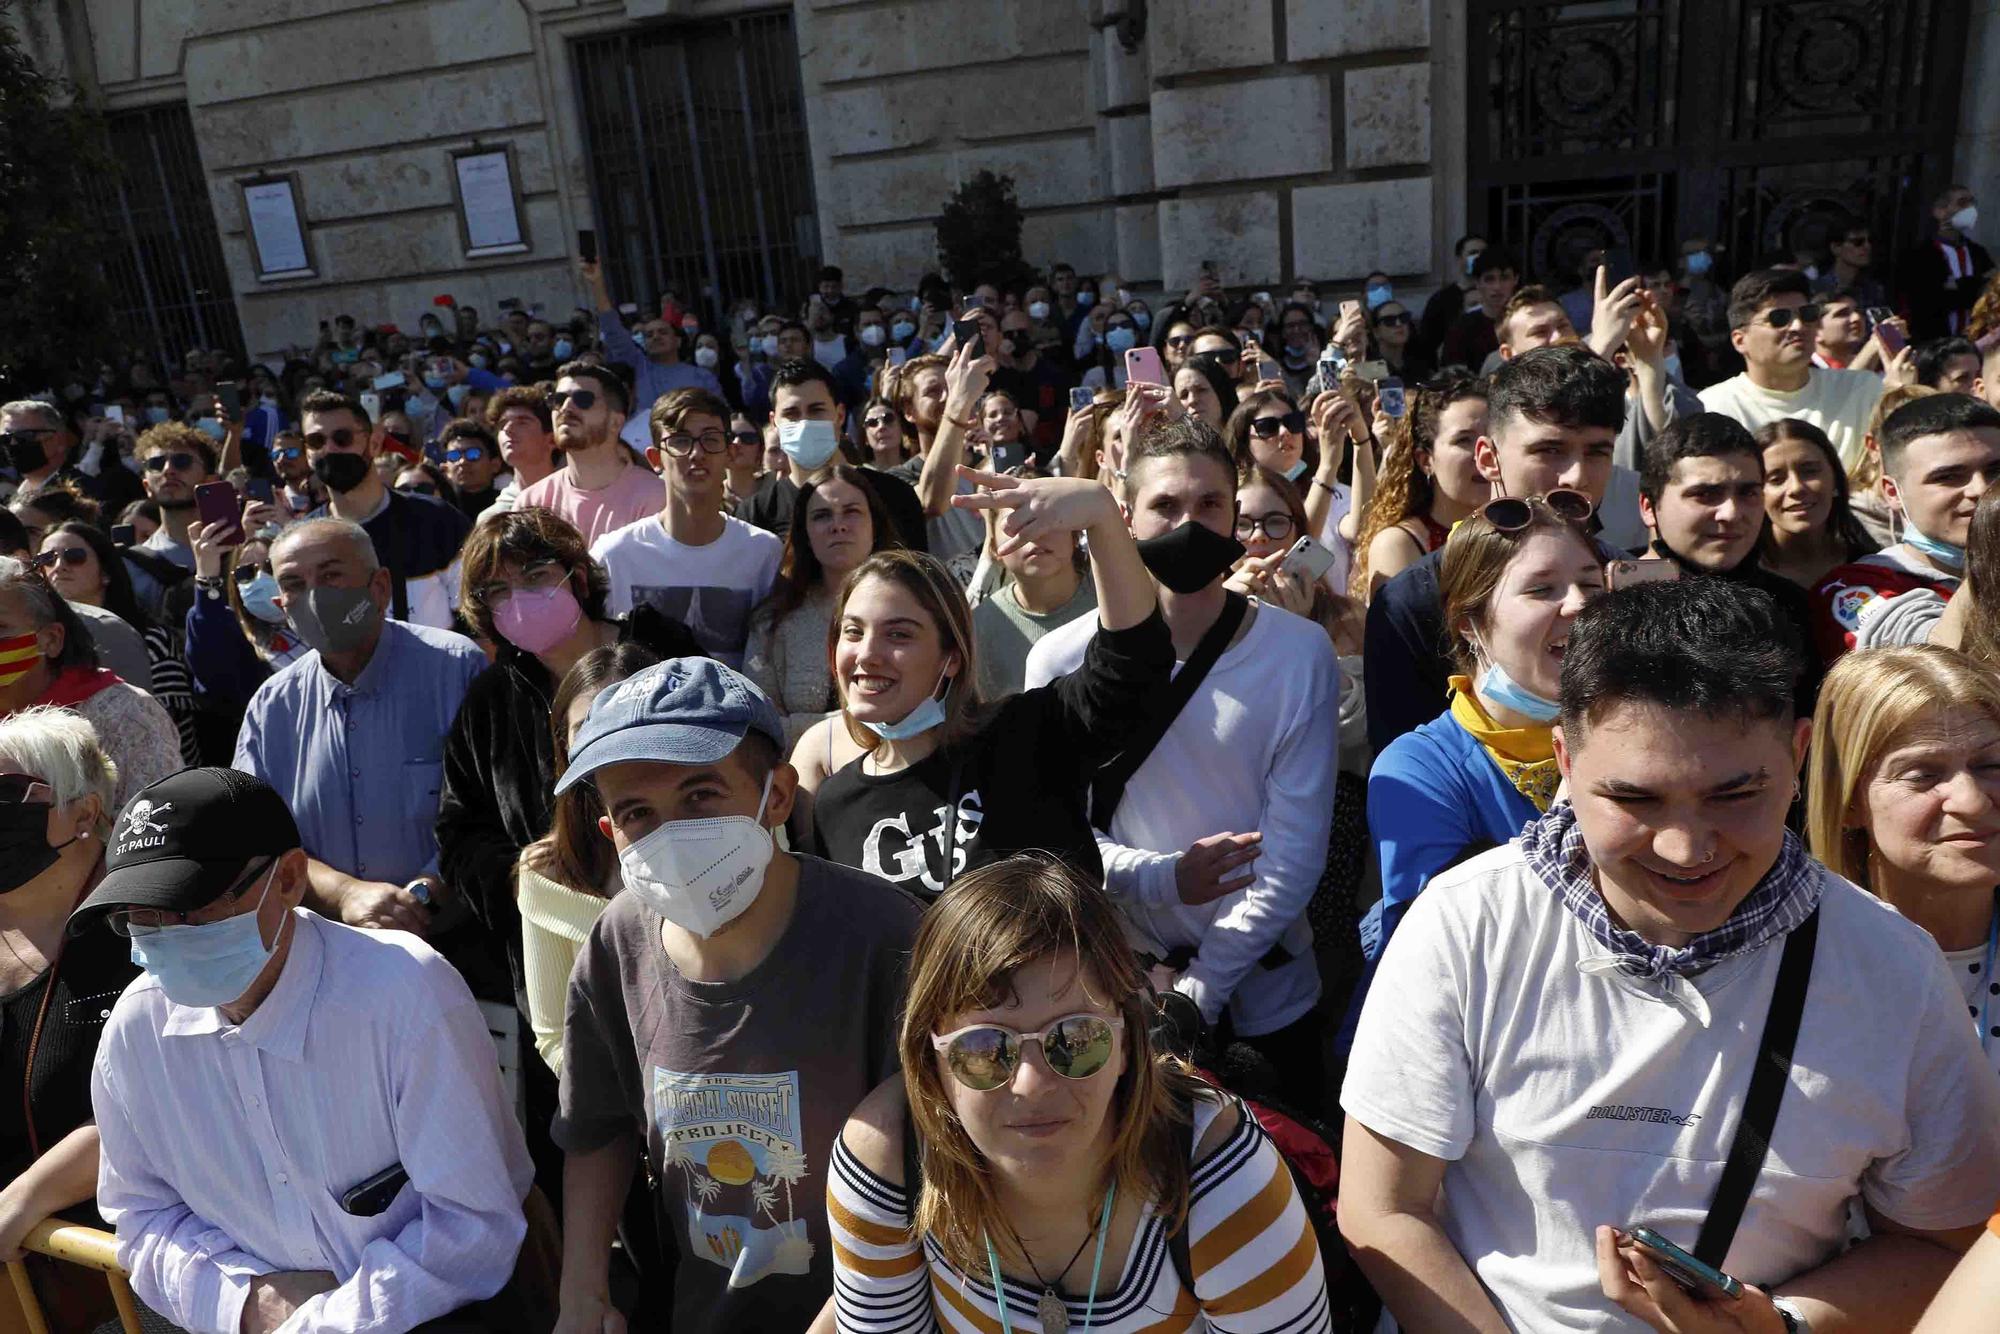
{"points": [[701, 874]]}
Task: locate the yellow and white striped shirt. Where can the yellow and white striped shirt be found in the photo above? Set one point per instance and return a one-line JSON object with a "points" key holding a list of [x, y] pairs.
{"points": [[1251, 1248]]}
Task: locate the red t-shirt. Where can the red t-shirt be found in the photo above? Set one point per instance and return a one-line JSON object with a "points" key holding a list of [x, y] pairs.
{"points": [[1837, 602]]}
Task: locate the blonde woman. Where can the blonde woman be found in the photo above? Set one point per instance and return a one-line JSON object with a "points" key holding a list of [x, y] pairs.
{"points": [[1905, 783], [1053, 1178]]}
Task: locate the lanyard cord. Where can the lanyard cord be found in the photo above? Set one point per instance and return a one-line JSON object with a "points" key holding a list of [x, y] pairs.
{"points": [[1096, 1268], [1986, 973]]}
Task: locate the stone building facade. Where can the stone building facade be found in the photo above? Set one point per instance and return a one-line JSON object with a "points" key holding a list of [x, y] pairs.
{"points": [[1278, 139]]}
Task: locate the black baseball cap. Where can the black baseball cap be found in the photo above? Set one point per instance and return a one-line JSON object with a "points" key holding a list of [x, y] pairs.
{"points": [[180, 843]]}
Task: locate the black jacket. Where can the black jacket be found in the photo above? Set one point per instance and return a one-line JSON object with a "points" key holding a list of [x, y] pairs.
{"points": [[499, 773]]}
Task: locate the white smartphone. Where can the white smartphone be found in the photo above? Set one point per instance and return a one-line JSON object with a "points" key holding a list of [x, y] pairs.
{"points": [[371, 403], [1308, 559]]}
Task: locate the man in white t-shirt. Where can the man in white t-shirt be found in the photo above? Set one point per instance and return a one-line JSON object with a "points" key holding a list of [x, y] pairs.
{"points": [[1221, 835], [1561, 1034], [692, 561], [1774, 323], [600, 487]]}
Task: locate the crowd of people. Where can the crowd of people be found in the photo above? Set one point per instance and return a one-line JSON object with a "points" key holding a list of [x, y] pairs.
{"points": [[522, 824]]}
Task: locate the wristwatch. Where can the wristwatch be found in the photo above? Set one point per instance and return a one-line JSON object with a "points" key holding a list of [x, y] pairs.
{"points": [[1794, 1322], [420, 890], [209, 584]]}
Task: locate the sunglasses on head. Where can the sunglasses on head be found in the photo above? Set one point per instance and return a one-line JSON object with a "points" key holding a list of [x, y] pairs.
{"points": [[16, 789], [984, 1056], [1782, 316], [67, 555], [1266, 427], [177, 461], [469, 454], [1510, 514], [583, 398], [343, 437]]}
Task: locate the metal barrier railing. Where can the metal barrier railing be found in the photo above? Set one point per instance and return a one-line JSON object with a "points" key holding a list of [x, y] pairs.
{"points": [[87, 1246]]}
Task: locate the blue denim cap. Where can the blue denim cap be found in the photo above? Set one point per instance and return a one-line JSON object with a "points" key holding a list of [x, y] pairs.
{"points": [[681, 711]]}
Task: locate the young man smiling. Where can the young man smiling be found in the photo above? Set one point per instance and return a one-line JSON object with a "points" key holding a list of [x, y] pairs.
{"points": [[1559, 1044], [1940, 453], [727, 1011]]}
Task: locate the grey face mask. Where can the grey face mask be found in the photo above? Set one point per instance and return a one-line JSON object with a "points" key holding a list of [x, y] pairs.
{"points": [[333, 620]]}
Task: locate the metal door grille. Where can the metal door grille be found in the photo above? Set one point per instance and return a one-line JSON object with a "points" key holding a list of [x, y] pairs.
{"points": [[1762, 124], [700, 169], [169, 281]]}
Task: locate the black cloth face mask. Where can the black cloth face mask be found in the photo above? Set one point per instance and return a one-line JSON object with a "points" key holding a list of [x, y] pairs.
{"points": [[1190, 558], [340, 472], [24, 843]]}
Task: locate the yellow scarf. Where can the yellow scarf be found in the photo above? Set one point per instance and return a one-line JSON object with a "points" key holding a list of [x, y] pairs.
{"points": [[1526, 755]]}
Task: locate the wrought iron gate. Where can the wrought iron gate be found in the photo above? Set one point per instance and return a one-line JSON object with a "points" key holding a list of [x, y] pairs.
{"points": [[1759, 124], [699, 164], [169, 281]]}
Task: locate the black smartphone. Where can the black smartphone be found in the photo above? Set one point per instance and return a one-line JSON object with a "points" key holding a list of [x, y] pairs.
{"points": [[259, 489], [510, 303], [586, 245], [215, 502], [230, 395], [1007, 457], [124, 535], [1618, 266], [377, 1193], [965, 332]]}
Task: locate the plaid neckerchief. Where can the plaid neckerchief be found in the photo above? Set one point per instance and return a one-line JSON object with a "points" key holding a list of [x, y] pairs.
{"points": [[1784, 898]]}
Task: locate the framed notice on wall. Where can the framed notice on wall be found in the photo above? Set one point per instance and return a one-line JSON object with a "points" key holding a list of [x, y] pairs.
{"points": [[276, 227], [489, 201]]}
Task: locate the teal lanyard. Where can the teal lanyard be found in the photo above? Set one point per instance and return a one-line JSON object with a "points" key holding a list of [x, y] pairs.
{"points": [[1096, 1267]]}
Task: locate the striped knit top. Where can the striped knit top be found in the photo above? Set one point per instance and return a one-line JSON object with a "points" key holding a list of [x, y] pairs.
{"points": [[1251, 1248]]}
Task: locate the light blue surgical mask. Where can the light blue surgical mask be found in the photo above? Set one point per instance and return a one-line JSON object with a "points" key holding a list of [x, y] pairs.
{"points": [[920, 720], [1699, 262], [810, 444], [260, 599], [210, 964], [1471, 260], [1143, 318], [1085, 297], [1296, 471], [478, 359], [768, 345], [1121, 339], [211, 427], [1498, 688], [1942, 553], [1380, 295], [902, 331], [562, 349], [1671, 364], [434, 383], [156, 414]]}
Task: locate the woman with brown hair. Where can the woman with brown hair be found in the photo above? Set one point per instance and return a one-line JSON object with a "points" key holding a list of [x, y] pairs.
{"points": [[1811, 528], [918, 779], [1427, 482], [838, 522], [565, 878], [1053, 1186], [528, 586]]}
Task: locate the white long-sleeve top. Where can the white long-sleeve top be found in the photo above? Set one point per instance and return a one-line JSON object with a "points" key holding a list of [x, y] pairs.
{"points": [[1256, 748], [227, 1149]]}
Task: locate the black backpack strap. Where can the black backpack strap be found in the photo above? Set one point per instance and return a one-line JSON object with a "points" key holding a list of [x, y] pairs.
{"points": [[913, 1162], [1107, 787], [1768, 1081]]}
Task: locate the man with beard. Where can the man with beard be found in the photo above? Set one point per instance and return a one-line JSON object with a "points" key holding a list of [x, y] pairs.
{"points": [[600, 487], [173, 459], [416, 537]]}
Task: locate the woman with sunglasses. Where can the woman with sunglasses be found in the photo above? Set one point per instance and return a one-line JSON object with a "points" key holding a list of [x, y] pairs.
{"points": [[1904, 800], [1428, 480], [884, 434], [529, 587], [918, 778], [1173, 337], [838, 522], [1514, 576], [742, 462], [1037, 1165], [57, 791], [80, 563], [1811, 529], [1389, 327]]}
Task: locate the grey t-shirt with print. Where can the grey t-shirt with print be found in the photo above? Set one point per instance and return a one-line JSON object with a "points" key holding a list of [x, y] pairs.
{"points": [[740, 1087]]}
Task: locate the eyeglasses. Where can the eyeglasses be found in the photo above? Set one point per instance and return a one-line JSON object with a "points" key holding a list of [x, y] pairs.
{"points": [[1510, 514], [1180, 340], [1395, 320], [320, 439], [583, 398], [27, 434], [1782, 316], [1266, 427], [984, 1056], [879, 419], [535, 576], [1277, 526], [25, 789], [67, 555], [469, 454], [745, 438], [131, 922], [682, 445]]}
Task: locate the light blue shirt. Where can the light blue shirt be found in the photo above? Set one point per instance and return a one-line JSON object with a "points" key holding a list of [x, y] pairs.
{"points": [[649, 378], [361, 766], [227, 1148]]}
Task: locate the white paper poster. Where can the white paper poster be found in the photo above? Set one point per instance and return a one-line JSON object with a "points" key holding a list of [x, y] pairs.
{"points": [[274, 225], [486, 193]]}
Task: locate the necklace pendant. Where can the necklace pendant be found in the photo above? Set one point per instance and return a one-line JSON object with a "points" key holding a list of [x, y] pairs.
{"points": [[1052, 1314]]}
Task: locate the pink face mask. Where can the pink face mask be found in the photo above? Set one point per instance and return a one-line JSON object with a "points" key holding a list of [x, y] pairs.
{"points": [[537, 619]]}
